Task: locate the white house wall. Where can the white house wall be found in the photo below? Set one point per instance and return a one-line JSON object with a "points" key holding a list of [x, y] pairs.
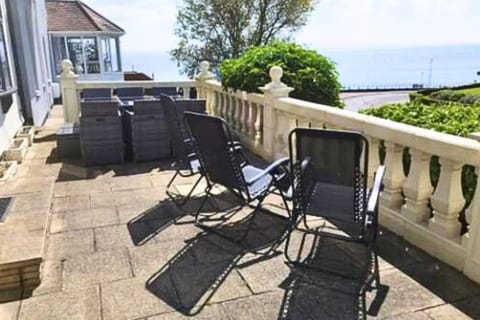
{"points": [[11, 121], [29, 30]]}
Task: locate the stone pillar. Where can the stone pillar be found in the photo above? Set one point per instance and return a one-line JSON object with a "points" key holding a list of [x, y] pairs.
{"points": [[203, 76], [273, 91], [447, 200], [70, 97], [418, 188]]}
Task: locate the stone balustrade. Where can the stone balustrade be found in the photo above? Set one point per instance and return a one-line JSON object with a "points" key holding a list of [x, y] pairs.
{"points": [[409, 205]]}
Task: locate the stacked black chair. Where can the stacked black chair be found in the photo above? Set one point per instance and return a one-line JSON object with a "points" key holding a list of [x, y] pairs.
{"points": [[223, 164], [96, 94], [329, 171], [158, 91], [186, 163], [147, 131], [130, 94], [101, 132]]}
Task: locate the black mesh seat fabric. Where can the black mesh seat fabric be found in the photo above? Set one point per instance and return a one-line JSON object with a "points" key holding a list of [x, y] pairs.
{"points": [[329, 181], [186, 163], [223, 164]]}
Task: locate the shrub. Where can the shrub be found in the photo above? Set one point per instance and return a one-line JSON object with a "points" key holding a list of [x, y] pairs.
{"points": [[452, 118], [313, 76]]}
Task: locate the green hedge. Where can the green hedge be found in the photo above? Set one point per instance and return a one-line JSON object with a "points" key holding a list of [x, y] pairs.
{"points": [[454, 118], [313, 76]]}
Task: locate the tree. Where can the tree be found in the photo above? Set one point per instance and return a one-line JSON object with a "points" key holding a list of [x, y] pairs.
{"points": [[313, 76], [215, 30]]}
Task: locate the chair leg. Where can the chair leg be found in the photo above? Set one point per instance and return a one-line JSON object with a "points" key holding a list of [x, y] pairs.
{"points": [[204, 200], [185, 198]]}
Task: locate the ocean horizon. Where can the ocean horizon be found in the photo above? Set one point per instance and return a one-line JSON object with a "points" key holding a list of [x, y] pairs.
{"points": [[434, 66]]}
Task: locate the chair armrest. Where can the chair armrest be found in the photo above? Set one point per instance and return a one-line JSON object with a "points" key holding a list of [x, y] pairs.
{"points": [[268, 170], [373, 197]]}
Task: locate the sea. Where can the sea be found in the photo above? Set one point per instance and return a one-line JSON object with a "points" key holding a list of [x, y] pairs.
{"points": [[384, 68]]}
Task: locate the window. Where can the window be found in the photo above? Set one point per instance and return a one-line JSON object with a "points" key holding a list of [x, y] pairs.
{"points": [[90, 51], [83, 52], [59, 52], [109, 50], [5, 76]]}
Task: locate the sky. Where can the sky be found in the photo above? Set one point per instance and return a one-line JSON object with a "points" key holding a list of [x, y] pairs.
{"points": [[334, 24]]}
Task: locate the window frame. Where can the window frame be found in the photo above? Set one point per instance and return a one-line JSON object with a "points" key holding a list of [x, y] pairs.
{"points": [[6, 79]]}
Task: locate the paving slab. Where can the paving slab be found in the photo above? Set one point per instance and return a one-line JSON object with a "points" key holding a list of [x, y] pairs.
{"points": [[446, 312], [264, 275], [113, 237], [72, 202], [128, 299], [148, 259], [214, 312], [83, 219], [76, 305], [51, 275], [69, 244], [404, 295], [32, 201], [9, 310], [99, 267], [264, 306]]}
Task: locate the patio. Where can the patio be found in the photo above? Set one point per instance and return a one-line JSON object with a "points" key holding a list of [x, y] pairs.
{"points": [[111, 232]]}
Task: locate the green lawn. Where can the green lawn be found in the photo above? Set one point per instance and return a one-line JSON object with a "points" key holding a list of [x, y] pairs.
{"points": [[471, 91]]}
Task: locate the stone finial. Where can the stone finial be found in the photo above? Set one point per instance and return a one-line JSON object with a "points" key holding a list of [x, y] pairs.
{"points": [[67, 69], [205, 73], [276, 74], [276, 86]]}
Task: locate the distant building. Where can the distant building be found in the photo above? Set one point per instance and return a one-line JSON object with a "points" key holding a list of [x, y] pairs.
{"points": [[28, 28], [85, 37]]}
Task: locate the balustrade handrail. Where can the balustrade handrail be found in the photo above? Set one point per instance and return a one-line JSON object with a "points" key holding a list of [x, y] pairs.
{"points": [[217, 86], [84, 84], [444, 145]]}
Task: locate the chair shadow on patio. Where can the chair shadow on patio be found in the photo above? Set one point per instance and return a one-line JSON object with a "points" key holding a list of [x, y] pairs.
{"points": [[154, 220], [193, 275], [337, 290]]}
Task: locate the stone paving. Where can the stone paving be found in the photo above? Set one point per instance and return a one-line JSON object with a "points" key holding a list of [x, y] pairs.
{"points": [[118, 249]]}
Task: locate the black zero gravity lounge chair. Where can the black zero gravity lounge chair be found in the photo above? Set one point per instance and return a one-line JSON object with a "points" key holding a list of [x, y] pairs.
{"points": [[329, 170], [186, 163], [224, 165]]}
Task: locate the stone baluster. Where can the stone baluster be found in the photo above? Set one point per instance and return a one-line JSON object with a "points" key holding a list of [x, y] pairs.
{"points": [[281, 141], [258, 125], [391, 197], [70, 96], [245, 109], [252, 112], [233, 110], [215, 103], [222, 105], [239, 113], [447, 200], [471, 239], [272, 92], [226, 111], [469, 212], [417, 188], [373, 159]]}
